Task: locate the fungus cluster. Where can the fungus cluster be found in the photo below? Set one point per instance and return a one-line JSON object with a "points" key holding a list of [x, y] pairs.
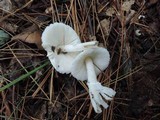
{"points": [[84, 61]]}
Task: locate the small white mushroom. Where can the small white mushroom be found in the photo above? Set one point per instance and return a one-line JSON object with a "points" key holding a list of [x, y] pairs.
{"points": [[141, 17], [55, 35], [138, 32], [58, 34], [86, 66], [62, 45]]}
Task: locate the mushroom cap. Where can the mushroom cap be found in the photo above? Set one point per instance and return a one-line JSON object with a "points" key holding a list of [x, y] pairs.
{"points": [[100, 57], [55, 35], [62, 62], [59, 34]]}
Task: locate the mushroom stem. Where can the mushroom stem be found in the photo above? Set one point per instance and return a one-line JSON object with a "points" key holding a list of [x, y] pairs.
{"points": [[96, 90], [78, 47], [92, 78], [91, 43]]}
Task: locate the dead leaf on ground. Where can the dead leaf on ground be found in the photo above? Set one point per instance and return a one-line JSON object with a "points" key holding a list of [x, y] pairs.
{"points": [[6, 5], [9, 26], [151, 2], [126, 6], [110, 11], [20, 3], [104, 24], [40, 113], [30, 35], [130, 15], [48, 10]]}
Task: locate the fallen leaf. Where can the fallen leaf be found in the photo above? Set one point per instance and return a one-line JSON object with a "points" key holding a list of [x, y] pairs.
{"points": [[126, 6], [130, 15], [9, 26], [30, 35], [6, 5], [21, 3], [110, 11], [105, 24], [151, 2], [48, 10]]}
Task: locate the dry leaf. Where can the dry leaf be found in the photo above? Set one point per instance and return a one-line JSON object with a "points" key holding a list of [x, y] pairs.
{"points": [[30, 35], [6, 5], [127, 5], [151, 2], [110, 11], [105, 24], [48, 10], [130, 15], [92, 38], [8, 26], [21, 3]]}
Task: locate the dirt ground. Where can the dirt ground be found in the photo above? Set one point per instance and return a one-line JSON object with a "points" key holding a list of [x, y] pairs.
{"points": [[129, 29]]}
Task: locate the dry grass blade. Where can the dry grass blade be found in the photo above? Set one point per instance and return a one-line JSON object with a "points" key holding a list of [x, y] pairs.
{"points": [[51, 92], [41, 84]]}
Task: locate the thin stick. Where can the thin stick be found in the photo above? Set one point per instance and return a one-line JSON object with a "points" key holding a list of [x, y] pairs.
{"points": [[51, 87]]}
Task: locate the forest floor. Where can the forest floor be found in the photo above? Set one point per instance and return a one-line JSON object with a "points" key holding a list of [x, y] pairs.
{"points": [[129, 29]]}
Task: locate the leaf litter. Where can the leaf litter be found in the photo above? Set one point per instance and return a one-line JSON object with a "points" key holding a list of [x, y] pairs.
{"points": [[30, 35], [133, 70]]}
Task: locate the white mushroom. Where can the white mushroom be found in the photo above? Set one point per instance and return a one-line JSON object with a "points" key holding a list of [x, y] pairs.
{"points": [[138, 32], [58, 34], [55, 35], [62, 45], [86, 66]]}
